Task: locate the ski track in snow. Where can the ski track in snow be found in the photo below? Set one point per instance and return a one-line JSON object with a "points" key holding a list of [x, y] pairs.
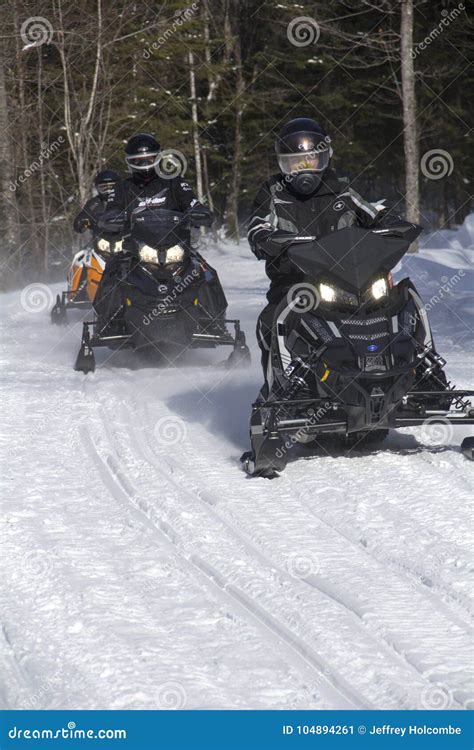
{"points": [[143, 569]]}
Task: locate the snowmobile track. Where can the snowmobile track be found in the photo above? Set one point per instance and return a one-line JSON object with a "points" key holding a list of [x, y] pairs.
{"points": [[185, 485], [301, 657]]}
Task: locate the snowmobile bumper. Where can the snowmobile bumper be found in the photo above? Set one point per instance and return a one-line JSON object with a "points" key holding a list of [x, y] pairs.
{"points": [[203, 338], [67, 301], [276, 425]]}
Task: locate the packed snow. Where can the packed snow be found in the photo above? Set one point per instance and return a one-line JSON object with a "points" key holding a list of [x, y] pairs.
{"points": [[142, 569]]}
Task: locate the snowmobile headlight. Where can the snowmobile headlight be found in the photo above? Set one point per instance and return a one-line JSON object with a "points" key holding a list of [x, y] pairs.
{"points": [[174, 254], [328, 293], [379, 288], [148, 254], [336, 295], [103, 245], [118, 246]]}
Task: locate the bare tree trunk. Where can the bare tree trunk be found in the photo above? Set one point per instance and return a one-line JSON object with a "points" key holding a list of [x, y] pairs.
{"points": [[9, 208], [233, 204], [23, 129], [194, 113], [42, 140], [410, 127]]}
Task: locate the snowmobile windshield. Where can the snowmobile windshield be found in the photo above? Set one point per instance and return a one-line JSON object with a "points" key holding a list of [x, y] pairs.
{"points": [[353, 256], [159, 227], [311, 161]]}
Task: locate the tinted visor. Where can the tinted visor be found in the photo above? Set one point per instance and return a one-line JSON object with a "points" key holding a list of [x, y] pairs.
{"points": [[301, 142], [311, 161], [142, 161]]}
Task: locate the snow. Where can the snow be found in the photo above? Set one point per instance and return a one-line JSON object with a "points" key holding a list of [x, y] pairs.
{"points": [[143, 569]]}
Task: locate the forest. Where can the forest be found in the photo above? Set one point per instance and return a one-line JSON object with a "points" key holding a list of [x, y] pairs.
{"points": [[214, 80]]}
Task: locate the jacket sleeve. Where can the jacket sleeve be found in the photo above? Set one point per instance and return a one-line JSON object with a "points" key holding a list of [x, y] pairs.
{"points": [[186, 200], [262, 223], [370, 215]]}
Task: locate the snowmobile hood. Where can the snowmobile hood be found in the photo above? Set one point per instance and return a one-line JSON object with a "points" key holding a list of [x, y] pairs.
{"points": [[354, 255], [159, 227]]}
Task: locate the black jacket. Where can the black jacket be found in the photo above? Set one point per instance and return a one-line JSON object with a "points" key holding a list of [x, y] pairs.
{"points": [[334, 206], [174, 194], [91, 212]]}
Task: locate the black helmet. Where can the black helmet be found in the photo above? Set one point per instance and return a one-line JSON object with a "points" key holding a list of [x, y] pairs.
{"points": [[141, 153], [303, 151], [105, 181]]}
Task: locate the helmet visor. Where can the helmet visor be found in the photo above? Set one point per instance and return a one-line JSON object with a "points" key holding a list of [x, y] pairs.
{"points": [[143, 161], [309, 161], [104, 188]]}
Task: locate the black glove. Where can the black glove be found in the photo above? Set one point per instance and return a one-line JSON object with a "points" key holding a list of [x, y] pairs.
{"points": [[82, 225], [200, 217], [274, 244], [112, 222]]}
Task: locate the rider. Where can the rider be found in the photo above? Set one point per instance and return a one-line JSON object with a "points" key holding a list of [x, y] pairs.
{"points": [[88, 217], [307, 198], [148, 187]]}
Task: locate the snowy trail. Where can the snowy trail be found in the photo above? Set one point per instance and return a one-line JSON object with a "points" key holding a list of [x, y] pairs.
{"points": [[143, 569]]}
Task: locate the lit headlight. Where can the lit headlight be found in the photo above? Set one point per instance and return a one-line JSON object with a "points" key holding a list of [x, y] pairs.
{"points": [[174, 254], [118, 246], [328, 293], [103, 245], [148, 254], [379, 288], [337, 295]]}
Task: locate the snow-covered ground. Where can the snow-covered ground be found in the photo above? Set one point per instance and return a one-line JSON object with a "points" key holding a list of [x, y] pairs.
{"points": [[142, 569]]}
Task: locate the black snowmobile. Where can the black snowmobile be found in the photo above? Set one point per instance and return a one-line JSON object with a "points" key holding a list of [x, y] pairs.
{"points": [[160, 297], [352, 355]]}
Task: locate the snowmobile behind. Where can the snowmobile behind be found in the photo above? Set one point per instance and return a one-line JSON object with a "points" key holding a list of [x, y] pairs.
{"points": [[352, 355], [161, 297], [84, 277]]}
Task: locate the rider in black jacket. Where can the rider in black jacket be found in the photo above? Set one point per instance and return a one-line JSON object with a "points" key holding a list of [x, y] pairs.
{"points": [[306, 198], [151, 185], [89, 216]]}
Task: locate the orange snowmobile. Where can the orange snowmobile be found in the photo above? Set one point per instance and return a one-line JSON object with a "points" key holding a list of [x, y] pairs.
{"points": [[84, 277], [88, 264]]}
